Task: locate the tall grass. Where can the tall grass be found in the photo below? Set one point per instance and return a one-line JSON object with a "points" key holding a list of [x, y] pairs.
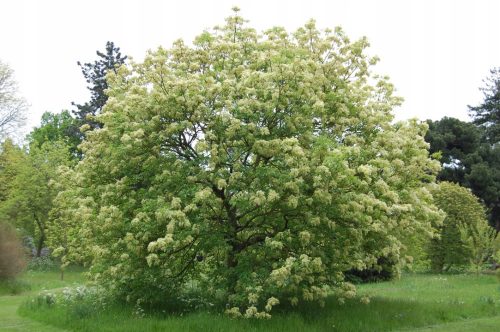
{"points": [[414, 301]]}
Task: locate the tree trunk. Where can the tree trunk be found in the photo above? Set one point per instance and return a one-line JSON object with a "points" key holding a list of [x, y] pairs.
{"points": [[231, 239], [231, 263], [39, 245], [41, 240]]}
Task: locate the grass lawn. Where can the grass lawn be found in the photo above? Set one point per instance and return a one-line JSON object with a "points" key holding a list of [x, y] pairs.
{"points": [[28, 284], [415, 303]]}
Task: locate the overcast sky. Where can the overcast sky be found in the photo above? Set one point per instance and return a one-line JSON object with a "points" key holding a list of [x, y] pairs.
{"points": [[436, 52]]}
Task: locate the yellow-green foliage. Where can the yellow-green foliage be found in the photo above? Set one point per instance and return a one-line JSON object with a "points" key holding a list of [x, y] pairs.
{"points": [[29, 193], [256, 167], [464, 236], [479, 238]]}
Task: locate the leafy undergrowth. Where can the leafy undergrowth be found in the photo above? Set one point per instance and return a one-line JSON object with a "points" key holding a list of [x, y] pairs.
{"points": [[412, 302]]}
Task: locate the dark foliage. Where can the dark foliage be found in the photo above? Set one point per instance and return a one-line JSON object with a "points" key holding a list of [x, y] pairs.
{"points": [[469, 160], [487, 114], [385, 270], [95, 76]]}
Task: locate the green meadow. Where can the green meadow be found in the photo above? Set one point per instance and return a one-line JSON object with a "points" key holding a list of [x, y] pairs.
{"points": [[426, 302]]}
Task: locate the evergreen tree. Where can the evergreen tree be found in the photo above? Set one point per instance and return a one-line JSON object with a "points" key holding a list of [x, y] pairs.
{"points": [[469, 160], [458, 142], [95, 75], [487, 115]]}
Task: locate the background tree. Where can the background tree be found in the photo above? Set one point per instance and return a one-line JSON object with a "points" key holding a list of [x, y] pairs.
{"points": [[10, 154], [484, 179], [468, 160], [464, 213], [458, 142], [12, 106], [64, 236], [57, 127], [12, 160], [30, 195], [487, 114], [95, 76], [257, 168]]}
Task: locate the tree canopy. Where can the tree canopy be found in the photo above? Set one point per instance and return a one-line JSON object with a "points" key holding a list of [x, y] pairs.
{"points": [[57, 127], [255, 167]]}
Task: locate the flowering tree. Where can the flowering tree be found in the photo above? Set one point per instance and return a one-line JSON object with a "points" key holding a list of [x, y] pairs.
{"points": [[257, 167]]}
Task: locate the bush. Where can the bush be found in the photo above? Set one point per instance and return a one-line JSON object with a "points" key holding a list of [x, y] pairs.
{"points": [[81, 301], [450, 250], [12, 260]]}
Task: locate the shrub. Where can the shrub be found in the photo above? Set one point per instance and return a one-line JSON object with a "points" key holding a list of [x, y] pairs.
{"points": [[81, 301], [12, 257], [464, 214], [479, 238]]}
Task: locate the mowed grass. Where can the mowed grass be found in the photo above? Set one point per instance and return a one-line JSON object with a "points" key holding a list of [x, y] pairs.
{"points": [[33, 281], [52, 279], [421, 302], [14, 293]]}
